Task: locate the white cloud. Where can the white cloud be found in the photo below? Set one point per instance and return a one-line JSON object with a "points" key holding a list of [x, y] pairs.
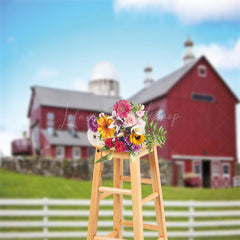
{"points": [[80, 84], [104, 70], [221, 56], [189, 11], [46, 73], [11, 39], [6, 138]]}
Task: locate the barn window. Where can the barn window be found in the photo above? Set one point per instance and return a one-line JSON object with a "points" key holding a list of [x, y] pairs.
{"points": [[76, 152], [50, 122], [71, 125], [71, 120], [226, 169], [60, 152], [197, 169], [202, 71], [202, 97]]}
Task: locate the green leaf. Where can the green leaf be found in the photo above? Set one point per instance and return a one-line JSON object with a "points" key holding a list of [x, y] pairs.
{"points": [[160, 130], [154, 128], [104, 148], [151, 124], [110, 156], [132, 156], [106, 157]]}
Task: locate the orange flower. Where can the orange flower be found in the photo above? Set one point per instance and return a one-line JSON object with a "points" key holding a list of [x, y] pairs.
{"points": [[104, 130]]}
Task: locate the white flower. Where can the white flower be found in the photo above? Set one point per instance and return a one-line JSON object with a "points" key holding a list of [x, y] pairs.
{"points": [[101, 114], [141, 122], [94, 138], [138, 129], [117, 121]]}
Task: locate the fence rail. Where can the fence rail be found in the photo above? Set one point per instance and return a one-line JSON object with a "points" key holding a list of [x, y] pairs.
{"points": [[236, 181], [193, 218]]}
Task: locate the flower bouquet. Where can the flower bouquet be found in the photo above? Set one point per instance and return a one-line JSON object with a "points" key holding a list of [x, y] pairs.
{"points": [[126, 130]]}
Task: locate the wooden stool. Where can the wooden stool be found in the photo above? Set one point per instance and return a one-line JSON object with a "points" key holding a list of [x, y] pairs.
{"points": [[99, 192]]}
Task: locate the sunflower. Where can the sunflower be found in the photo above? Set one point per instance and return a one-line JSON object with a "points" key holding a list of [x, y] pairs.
{"points": [[104, 122], [137, 139]]}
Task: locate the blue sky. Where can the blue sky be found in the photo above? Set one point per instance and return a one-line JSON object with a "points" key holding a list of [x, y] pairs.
{"points": [[58, 43]]}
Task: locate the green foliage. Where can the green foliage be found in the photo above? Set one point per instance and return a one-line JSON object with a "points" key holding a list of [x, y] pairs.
{"points": [[106, 157], [154, 135], [104, 148], [149, 141], [132, 156], [136, 107]]}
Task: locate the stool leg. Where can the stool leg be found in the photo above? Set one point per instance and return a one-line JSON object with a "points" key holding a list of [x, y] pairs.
{"points": [[156, 185], [95, 197], [136, 199], [117, 198]]}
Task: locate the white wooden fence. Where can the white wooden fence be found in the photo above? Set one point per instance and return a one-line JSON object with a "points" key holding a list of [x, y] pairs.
{"points": [[192, 218], [236, 181]]}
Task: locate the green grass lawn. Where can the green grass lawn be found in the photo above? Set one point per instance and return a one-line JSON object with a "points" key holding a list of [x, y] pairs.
{"points": [[15, 185]]}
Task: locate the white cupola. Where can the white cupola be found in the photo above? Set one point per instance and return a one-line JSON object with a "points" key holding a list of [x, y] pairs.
{"points": [[104, 80], [148, 77], [189, 56]]}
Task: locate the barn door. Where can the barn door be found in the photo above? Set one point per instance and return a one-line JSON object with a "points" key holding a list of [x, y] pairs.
{"points": [[206, 173], [226, 175], [216, 181]]}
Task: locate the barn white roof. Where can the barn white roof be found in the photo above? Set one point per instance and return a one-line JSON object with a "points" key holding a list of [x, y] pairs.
{"points": [[61, 98], [66, 139]]}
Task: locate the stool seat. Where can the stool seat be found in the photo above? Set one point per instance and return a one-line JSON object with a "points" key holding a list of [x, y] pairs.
{"points": [[100, 192]]}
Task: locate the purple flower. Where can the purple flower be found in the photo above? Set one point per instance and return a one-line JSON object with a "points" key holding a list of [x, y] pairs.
{"points": [[126, 148], [127, 140], [136, 148], [92, 123]]}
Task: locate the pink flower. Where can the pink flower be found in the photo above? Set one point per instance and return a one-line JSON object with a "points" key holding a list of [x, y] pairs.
{"points": [[130, 120], [140, 113], [122, 108], [141, 122]]}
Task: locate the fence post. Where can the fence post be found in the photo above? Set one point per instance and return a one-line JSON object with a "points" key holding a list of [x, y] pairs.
{"points": [[191, 220], [45, 218]]}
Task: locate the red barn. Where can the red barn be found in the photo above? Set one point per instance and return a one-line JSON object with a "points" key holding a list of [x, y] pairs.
{"points": [[193, 103], [197, 109], [58, 121]]}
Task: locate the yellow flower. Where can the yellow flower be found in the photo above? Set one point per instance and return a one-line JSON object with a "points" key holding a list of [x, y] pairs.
{"points": [[137, 139], [104, 123]]}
